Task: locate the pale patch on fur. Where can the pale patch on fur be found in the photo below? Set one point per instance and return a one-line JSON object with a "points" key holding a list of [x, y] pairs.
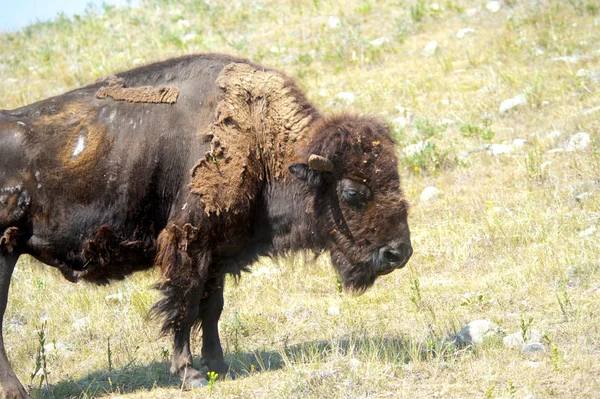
{"points": [[80, 146], [260, 117]]}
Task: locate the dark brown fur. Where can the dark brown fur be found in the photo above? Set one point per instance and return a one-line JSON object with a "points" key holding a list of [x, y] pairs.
{"points": [[199, 187]]}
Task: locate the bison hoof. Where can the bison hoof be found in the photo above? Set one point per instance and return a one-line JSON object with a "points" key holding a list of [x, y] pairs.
{"points": [[192, 378], [13, 390], [217, 366]]}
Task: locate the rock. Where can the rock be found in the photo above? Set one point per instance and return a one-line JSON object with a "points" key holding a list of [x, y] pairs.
{"points": [[188, 37], [591, 111], [413, 149], [572, 59], [429, 194], [493, 6], [464, 32], [519, 143], [118, 297], [447, 121], [499, 149], [516, 340], [333, 310], [400, 121], [81, 323], [476, 331], [379, 41], [582, 73], [578, 142], [346, 97], [430, 49], [533, 349], [588, 232], [514, 102], [333, 22]]}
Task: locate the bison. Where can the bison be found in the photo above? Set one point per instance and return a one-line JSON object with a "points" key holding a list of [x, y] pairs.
{"points": [[197, 165]]}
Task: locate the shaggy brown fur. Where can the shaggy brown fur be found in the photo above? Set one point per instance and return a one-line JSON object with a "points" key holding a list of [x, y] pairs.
{"points": [[261, 115]]}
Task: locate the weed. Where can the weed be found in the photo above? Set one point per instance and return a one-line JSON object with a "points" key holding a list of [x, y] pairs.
{"points": [[533, 163], [109, 355], [525, 327], [41, 363], [211, 377], [418, 11], [415, 295]]}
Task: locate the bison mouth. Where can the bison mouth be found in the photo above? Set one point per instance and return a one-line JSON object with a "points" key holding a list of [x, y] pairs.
{"points": [[358, 275]]}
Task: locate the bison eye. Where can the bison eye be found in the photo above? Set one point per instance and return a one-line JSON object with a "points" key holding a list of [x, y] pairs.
{"points": [[353, 192]]}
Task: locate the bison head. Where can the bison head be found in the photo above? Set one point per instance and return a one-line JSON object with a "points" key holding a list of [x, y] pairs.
{"points": [[361, 213]]}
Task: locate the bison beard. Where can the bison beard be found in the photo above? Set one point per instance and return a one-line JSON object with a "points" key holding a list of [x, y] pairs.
{"points": [[235, 164]]}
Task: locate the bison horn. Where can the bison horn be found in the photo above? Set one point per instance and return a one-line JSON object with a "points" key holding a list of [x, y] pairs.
{"points": [[322, 164]]}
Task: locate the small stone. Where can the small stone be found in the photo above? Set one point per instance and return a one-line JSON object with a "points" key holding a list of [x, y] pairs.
{"points": [[499, 149], [379, 41], [516, 340], [430, 49], [514, 102], [429, 194], [476, 331], [533, 349], [578, 142], [519, 143], [333, 310], [464, 32], [588, 232], [493, 6], [400, 121], [333, 22], [582, 73], [413, 149], [346, 97]]}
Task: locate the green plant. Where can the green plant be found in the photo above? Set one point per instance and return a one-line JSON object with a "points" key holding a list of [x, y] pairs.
{"points": [[41, 363], [211, 377], [525, 327]]}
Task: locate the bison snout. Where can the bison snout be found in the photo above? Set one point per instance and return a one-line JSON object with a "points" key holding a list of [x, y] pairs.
{"points": [[392, 257]]}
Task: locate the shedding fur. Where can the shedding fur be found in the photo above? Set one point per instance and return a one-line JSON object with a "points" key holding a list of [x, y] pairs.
{"points": [[259, 118], [9, 240], [146, 94]]}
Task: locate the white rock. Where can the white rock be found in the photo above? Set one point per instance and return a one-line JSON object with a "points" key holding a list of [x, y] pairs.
{"points": [[493, 6], [591, 111], [519, 143], [413, 149], [188, 37], [545, 165], [516, 340], [400, 121], [430, 49], [447, 121], [588, 232], [582, 73], [511, 103], [532, 348], [333, 22], [499, 149], [346, 97], [578, 142], [379, 41], [81, 323], [429, 194], [118, 297], [572, 59], [476, 331], [333, 310], [463, 32]]}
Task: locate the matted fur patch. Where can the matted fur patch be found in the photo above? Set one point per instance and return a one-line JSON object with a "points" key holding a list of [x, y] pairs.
{"points": [[145, 94]]}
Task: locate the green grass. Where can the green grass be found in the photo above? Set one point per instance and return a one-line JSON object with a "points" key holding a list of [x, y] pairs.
{"points": [[501, 243]]}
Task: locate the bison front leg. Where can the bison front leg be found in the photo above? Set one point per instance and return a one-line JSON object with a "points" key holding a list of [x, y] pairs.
{"points": [[10, 387], [211, 308]]}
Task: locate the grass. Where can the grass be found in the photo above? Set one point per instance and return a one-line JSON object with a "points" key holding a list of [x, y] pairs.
{"points": [[504, 241]]}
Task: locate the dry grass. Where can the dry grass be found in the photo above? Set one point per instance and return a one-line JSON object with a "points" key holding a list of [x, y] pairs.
{"points": [[503, 242]]}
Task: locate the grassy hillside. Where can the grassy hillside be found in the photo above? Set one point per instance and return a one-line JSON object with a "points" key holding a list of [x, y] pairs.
{"points": [[511, 236]]}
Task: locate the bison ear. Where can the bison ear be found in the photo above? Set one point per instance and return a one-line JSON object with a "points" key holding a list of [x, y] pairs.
{"points": [[302, 171]]}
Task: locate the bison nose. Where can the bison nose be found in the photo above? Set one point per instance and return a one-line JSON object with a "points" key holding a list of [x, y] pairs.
{"points": [[395, 256]]}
